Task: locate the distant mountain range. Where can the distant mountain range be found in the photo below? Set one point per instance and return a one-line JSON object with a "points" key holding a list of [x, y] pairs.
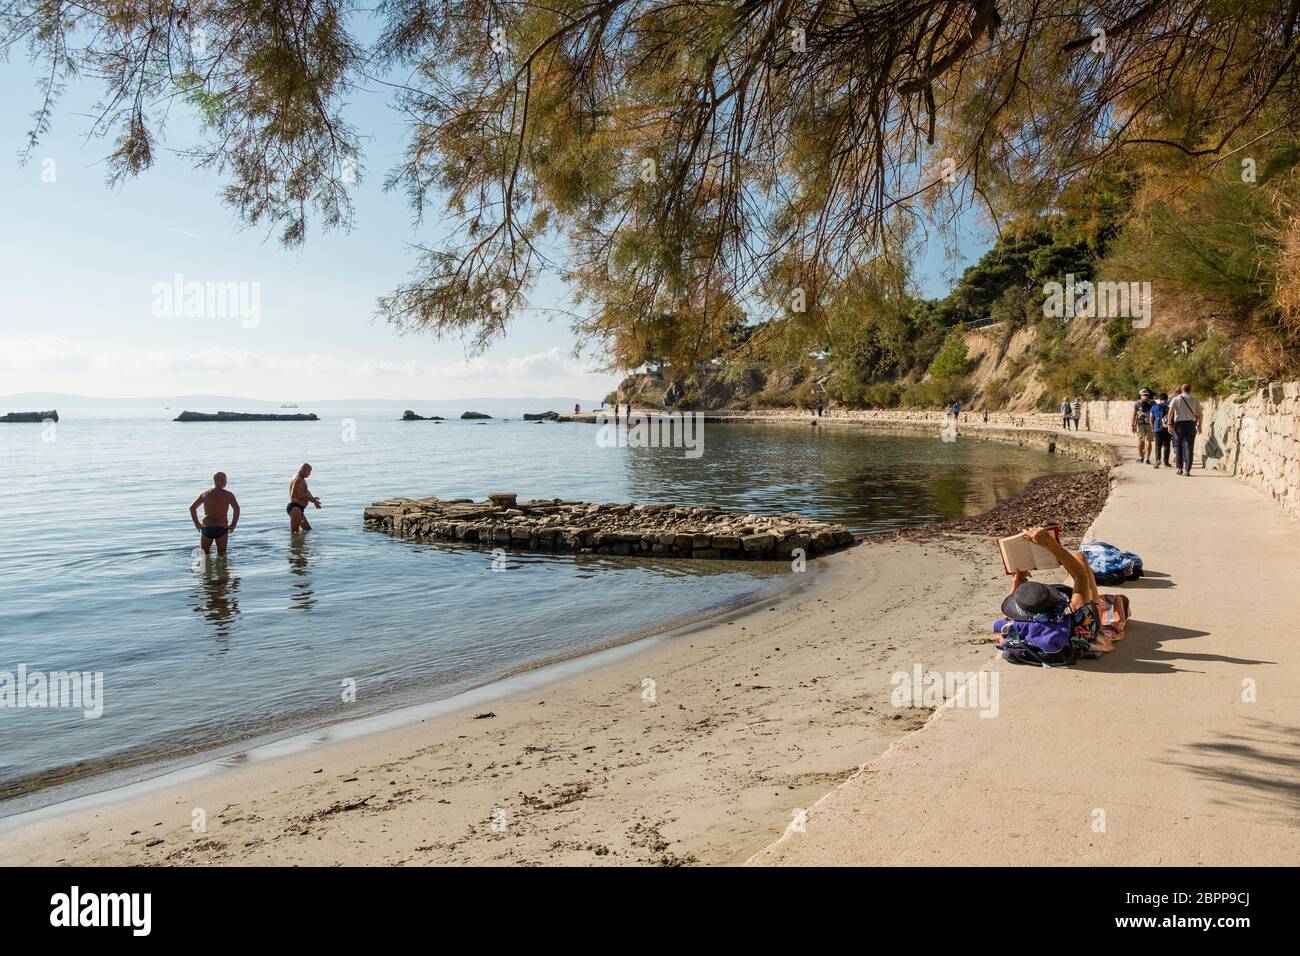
{"points": [[41, 401]]}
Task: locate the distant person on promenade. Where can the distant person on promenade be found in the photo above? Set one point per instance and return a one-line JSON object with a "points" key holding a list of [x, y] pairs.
{"points": [[1159, 424], [1078, 412], [1140, 425], [1066, 411], [1184, 426], [299, 497], [217, 502]]}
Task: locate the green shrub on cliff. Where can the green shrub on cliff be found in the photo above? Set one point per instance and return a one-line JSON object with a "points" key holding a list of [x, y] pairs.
{"points": [[953, 361]]}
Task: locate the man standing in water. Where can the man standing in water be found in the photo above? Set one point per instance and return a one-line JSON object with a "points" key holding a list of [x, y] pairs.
{"points": [[216, 501], [299, 497]]}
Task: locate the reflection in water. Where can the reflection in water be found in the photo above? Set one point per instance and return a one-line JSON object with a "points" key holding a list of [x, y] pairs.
{"points": [[586, 566], [217, 597], [870, 482], [301, 596]]}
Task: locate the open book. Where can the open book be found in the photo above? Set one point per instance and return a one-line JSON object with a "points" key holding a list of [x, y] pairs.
{"points": [[1021, 554]]}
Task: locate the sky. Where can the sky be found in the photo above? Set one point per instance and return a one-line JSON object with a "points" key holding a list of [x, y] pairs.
{"points": [[86, 287]]}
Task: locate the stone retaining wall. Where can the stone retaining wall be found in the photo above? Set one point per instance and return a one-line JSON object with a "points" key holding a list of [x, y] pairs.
{"points": [[1027, 429], [893, 417], [623, 529]]}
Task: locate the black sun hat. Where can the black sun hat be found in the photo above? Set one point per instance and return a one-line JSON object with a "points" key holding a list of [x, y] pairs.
{"points": [[1030, 599]]}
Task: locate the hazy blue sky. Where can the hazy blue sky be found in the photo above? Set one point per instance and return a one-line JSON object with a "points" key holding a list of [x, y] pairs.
{"points": [[81, 263]]}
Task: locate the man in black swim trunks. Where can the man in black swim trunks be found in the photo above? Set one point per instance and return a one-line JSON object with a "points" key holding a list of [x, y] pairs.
{"points": [[299, 498], [217, 502]]}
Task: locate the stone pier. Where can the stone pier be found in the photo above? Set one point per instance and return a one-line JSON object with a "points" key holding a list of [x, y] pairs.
{"points": [[660, 530]]}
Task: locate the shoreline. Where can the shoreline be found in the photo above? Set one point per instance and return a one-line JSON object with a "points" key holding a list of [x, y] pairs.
{"points": [[131, 768], [40, 833], [129, 772], [740, 735]]}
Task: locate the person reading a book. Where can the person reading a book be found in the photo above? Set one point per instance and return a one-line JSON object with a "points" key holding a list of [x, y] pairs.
{"points": [[1071, 606]]}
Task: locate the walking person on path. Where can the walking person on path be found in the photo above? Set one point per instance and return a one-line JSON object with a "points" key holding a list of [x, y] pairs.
{"points": [[1140, 425], [1159, 424], [1184, 425], [1066, 411], [1078, 412]]}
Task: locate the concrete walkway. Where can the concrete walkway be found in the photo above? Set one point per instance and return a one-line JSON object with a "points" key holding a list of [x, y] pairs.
{"points": [[1182, 747]]}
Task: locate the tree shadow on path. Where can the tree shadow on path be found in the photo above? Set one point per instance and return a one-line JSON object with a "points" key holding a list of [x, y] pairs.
{"points": [[1254, 773]]}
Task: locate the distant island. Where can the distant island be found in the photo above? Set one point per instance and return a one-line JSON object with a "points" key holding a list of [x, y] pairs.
{"points": [[474, 415], [30, 416], [410, 416], [242, 417], [492, 405]]}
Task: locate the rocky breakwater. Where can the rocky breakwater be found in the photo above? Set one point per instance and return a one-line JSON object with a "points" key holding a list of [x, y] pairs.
{"points": [[622, 529], [242, 417], [51, 415]]}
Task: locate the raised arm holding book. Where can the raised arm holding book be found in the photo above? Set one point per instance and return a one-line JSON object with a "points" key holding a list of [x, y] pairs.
{"points": [[1082, 581]]}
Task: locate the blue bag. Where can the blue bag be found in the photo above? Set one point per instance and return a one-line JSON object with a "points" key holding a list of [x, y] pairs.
{"points": [[1111, 565]]}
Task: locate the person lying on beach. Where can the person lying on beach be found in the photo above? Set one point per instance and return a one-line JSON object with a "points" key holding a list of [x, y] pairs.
{"points": [[299, 497], [1071, 607], [217, 502]]}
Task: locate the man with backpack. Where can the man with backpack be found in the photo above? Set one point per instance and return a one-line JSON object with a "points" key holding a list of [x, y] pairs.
{"points": [[1141, 426], [1066, 411], [1159, 424], [1184, 425]]}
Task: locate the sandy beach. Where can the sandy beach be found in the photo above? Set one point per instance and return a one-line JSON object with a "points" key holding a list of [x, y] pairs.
{"points": [[754, 717]]}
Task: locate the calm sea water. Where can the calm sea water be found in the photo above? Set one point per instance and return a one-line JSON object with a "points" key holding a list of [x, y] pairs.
{"points": [[98, 574]]}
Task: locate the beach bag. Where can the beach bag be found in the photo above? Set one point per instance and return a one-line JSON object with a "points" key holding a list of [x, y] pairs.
{"points": [[1111, 565], [1114, 612]]}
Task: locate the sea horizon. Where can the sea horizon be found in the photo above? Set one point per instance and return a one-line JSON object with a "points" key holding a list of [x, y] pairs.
{"points": [[10, 402]]}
